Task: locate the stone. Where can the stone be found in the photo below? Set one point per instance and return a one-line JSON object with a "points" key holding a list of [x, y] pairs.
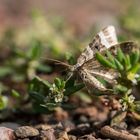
{"points": [[6, 134], [47, 135], [71, 137], [43, 127], [136, 132], [87, 137], [10, 125], [26, 131], [63, 136], [24, 139]]}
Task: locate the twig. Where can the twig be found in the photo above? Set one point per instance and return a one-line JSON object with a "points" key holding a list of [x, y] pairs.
{"points": [[117, 135]]}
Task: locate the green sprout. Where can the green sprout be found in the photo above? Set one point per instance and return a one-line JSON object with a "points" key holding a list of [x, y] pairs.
{"points": [[50, 95], [127, 65], [56, 91]]}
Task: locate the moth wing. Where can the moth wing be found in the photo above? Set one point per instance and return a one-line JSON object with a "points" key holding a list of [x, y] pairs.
{"points": [[102, 41], [126, 47], [91, 82], [96, 69], [108, 75]]}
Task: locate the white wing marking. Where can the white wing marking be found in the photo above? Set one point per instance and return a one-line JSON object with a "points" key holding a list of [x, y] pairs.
{"points": [[102, 41], [108, 36]]}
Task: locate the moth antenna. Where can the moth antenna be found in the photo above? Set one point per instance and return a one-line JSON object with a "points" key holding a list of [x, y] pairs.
{"points": [[61, 63], [57, 61]]}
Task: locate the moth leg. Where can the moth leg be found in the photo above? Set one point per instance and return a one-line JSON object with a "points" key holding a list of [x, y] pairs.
{"points": [[70, 74]]}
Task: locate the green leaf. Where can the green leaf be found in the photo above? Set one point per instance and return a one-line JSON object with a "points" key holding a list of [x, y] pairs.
{"points": [[57, 82], [135, 68], [70, 82], [131, 74], [120, 88], [39, 98], [50, 106], [134, 57], [63, 84], [70, 58], [119, 66], [39, 108], [4, 71], [127, 62], [35, 51], [15, 93], [3, 102], [38, 81], [44, 68], [73, 89], [103, 60], [110, 57], [39, 85], [137, 106], [60, 84], [120, 55]]}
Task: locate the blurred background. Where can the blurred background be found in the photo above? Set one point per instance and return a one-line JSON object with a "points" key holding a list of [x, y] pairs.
{"points": [[80, 14], [80, 18]]}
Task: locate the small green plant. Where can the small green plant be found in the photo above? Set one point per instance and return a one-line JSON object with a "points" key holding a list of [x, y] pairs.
{"points": [[3, 98], [24, 48], [22, 63], [127, 65], [51, 95], [23, 51], [124, 62]]}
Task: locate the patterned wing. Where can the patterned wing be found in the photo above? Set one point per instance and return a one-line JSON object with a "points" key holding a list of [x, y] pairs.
{"points": [[126, 47], [102, 41], [95, 69], [108, 75], [90, 81]]}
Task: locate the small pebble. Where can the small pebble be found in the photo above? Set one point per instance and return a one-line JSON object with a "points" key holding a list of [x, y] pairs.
{"points": [[26, 131], [6, 134]]}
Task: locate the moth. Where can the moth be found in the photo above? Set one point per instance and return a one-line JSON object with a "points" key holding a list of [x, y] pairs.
{"points": [[89, 69]]}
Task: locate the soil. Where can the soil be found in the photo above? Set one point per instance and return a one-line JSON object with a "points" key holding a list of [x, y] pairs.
{"points": [[84, 123]]}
